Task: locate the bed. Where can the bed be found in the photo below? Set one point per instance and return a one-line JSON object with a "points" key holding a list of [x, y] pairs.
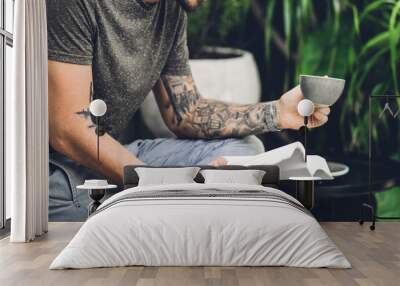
{"points": [[198, 224]]}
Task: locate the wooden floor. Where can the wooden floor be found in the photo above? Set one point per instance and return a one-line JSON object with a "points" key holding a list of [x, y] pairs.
{"points": [[375, 257]]}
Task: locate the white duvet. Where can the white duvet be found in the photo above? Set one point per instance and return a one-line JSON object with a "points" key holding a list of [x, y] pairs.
{"points": [[207, 230]]}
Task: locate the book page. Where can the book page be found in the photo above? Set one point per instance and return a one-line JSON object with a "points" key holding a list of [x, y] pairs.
{"points": [[290, 159]]}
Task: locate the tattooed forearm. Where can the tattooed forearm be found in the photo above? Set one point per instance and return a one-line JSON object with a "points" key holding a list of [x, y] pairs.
{"points": [[194, 116], [212, 119]]}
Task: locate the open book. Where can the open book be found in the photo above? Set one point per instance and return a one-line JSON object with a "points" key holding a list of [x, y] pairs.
{"points": [[290, 159]]}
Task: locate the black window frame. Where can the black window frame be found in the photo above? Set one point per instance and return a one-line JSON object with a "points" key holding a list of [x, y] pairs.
{"points": [[6, 39]]}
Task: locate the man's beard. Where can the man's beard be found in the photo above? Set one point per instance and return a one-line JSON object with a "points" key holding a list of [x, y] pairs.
{"points": [[188, 5]]}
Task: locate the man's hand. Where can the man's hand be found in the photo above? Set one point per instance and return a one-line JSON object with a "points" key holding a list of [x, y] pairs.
{"points": [[288, 116], [220, 161]]}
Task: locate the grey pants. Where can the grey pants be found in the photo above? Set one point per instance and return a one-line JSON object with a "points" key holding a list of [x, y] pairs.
{"points": [[66, 203]]}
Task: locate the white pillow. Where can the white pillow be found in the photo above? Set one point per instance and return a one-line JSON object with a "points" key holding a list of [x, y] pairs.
{"points": [[166, 176], [247, 177]]}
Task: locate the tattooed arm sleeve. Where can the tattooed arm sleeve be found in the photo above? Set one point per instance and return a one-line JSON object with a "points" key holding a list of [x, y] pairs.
{"points": [[187, 114]]}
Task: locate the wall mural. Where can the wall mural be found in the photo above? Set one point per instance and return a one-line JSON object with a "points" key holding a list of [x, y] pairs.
{"points": [[192, 82]]}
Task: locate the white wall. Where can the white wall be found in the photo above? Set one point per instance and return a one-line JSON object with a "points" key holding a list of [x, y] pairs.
{"points": [[9, 68], [9, 12]]}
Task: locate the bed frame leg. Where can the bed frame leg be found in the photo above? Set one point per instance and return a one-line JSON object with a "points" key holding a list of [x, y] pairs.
{"points": [[373, 216], [96, 196], [305, 193]]}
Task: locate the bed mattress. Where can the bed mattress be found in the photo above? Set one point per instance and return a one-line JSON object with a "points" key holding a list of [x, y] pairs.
{"points": [[201, 225]]}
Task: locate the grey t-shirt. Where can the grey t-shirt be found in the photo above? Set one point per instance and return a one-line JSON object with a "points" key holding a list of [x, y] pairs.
{"points": [[128, 43]]}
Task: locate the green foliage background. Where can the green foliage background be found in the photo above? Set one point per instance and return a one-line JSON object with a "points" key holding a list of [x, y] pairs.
{"points": [[358, 40], [215, 20]]}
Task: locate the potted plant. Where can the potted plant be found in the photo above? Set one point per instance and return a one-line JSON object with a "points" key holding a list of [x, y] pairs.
{"points": [[221, 71]]}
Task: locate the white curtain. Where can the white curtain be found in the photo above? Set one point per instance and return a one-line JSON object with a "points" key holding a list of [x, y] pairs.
{"points": [[27, 124]]}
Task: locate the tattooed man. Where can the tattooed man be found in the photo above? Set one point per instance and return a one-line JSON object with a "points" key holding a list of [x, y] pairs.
{"points": [[119, 51]]}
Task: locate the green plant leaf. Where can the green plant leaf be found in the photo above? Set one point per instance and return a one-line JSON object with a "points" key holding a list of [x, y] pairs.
{"points": [[378, 41], [356, 19], [388, 202], [287, 26], [214, 21], [231, 13], [393, 42], [270, 9], [336, 23], [287, 22], [375, 5], [369, 65]]}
